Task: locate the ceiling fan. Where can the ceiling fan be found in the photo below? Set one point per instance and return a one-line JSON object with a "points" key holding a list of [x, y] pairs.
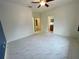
{"points": [[43, 3]]}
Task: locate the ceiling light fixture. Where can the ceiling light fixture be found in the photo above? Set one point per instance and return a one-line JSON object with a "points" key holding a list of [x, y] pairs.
{"points": [[42, 3]]}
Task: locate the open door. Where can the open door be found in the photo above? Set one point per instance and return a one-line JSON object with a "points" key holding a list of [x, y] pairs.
{"points": [[2, 43]]}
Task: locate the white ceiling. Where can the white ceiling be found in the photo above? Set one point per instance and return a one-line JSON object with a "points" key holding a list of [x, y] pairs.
{"points": [[34, 6]]}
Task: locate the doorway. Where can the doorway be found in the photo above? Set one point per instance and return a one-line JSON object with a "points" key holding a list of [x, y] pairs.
{"points": [[50, 24], [37, 24]]}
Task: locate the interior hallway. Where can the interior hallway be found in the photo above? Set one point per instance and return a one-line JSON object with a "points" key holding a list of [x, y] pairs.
{"points": [[44, 46]]}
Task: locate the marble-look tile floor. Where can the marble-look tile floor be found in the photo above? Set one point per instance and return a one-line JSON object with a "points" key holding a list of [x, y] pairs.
{"points": [[43, 46]]}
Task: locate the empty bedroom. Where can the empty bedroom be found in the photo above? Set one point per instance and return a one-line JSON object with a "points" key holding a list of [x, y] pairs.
{"points": [[39, 29]]}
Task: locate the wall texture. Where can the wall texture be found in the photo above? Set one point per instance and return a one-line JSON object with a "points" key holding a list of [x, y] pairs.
{"points": [[66, 19], [16, 21]]}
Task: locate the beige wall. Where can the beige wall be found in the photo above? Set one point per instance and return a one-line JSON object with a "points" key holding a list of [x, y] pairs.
{"points": [[16, 21], [35, 14], [66, 19]]}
